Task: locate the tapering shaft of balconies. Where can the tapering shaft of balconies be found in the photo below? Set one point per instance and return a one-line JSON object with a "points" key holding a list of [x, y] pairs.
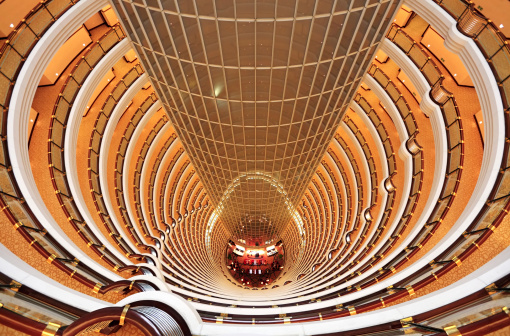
{"points": [[256, 92]]}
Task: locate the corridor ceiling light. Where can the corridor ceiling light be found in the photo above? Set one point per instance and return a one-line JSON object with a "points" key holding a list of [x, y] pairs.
{"points": [[217, 91]]}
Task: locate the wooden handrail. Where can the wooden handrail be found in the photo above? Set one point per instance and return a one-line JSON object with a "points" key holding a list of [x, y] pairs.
{"points": [[113, 314]]}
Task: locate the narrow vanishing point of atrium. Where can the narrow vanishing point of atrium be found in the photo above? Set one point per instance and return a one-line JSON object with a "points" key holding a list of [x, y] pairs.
{"points": [[254, 168]]}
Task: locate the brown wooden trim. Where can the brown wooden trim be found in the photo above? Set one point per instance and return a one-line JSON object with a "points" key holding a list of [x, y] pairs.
{"points": [[113, 313], [169, 310]]}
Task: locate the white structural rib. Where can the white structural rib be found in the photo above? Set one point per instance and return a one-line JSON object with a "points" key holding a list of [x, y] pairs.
{"points": [[71, 140], [117, 112], [486, 88]]}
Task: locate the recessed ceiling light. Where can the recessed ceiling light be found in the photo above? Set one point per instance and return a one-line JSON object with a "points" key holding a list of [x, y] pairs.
{"points": [[11, 25], [31, 120], [428, 45], [501, 26], [454, 75], [56, 74]]}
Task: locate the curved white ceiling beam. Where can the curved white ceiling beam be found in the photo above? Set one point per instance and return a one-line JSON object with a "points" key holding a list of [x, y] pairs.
{"points": [[486, 88], [71, 140]]}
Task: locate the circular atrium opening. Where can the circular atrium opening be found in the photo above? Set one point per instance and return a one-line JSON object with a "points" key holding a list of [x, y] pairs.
{"points": [[255, 266]]}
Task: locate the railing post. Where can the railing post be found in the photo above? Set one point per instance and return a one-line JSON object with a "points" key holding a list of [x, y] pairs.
{"points": [[28, 26], [44, 5], [499, 49], [412, 46], [421, 69]]}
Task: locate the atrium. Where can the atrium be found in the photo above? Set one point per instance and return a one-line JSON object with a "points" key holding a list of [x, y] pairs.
{"points": [[269, 167]]}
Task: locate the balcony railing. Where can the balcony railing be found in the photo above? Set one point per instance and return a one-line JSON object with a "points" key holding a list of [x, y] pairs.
{"points": [[413, 198], [34, 313], [373, 177], [391, 267], [138, 173], [147, 226], [12, 56], [93, 155], [351, 226], [56, 145], [491, 42], [398, 99], [119, 165], [152, 185], [438, 93], [487, 221], [22, 39]]}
